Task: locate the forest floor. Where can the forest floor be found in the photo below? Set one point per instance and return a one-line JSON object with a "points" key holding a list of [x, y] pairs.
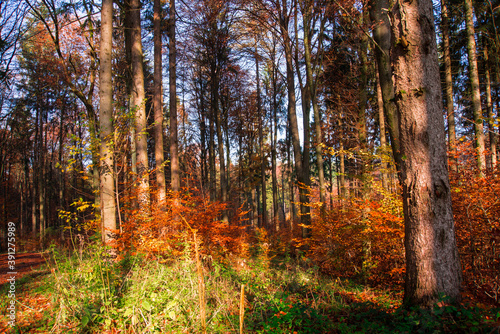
{"points": [[25, 264], [141, 295]]}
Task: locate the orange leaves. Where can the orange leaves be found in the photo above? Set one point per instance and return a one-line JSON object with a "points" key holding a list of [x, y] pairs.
{"points": [[168, 231], [365, 236], [476, 207]]}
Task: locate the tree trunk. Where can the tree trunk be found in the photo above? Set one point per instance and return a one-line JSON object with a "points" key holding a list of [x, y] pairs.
{"points": [[220, 140], [211, 158], [302, 170], [489, 107], [474, 81], [274, 139], [383, 140], [379, 13], [174, 145], [107, 182], [139, 106], [363, 101], [311, 85], [450, 109], [158, 103], [432, 263], [261, 143]]}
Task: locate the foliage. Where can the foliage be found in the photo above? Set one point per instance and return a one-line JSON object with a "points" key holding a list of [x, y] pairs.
{"points": [[166, 232], [476, 207], [90, 293], [362, 237]]}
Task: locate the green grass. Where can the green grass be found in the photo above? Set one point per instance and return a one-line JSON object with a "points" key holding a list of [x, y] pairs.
{"points": [[137, 295]]}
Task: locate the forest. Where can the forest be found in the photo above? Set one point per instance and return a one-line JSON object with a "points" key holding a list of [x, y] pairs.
{"points": [[258, 166]]}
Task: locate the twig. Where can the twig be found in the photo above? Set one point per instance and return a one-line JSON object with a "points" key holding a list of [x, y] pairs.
{"points": [[242, 307]]}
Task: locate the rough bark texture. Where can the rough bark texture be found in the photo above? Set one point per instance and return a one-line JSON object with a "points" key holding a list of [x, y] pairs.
{"points": [[158, 103], [432, 263], [139, 106], [107, 184], [474, 81]]}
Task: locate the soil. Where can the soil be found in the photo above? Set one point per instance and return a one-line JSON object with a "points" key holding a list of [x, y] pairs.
{"points": [[25, 263]]}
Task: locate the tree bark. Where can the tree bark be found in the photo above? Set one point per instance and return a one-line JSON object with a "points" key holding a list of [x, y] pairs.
{"points": [[363, 101], [107, 182], [379, 13], [432, 262], [261, 142], [474, 81], [158, 103], [450, 109], [383, 140], [174, 144], [311, 85], [489, 108], [138, 103]]}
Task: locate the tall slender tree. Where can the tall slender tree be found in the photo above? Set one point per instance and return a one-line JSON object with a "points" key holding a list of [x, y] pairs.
{"points": [[450, 109], [172, 74], [379, 14], [107, 182], [474, 82], [157, 101], [138, 105]]}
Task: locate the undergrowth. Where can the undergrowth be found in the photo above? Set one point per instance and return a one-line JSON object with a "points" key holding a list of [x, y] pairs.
{"points": [[89, 293]]}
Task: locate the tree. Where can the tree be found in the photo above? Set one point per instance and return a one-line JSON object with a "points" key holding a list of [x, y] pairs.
{"points": [[432, 262], [138, 104], [107, 183], [474, 81], [445, 27], [157, 101], [174, 151], [310, 18], [379, 14]]}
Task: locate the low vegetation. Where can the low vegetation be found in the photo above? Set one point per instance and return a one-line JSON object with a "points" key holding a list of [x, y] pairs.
{"points": [[82, 293]]}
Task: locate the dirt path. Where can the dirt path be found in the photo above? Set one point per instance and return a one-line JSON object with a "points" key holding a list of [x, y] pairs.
{"points": [[25, 263]]}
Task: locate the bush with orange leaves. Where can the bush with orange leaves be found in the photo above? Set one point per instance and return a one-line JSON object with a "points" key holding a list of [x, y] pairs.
{"points": [[166, 231], [476, 207], [362, 238]]}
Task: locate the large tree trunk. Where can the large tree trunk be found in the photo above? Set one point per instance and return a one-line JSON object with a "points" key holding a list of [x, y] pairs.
{"points": [[138, 104], [452, 137], [432, 262], [158, 103], [174, 145], [107, 182], [474, 81]]}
